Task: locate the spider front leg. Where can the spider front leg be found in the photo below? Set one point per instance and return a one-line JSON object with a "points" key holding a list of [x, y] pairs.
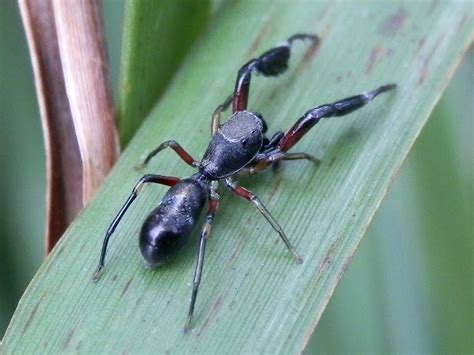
{"points": [[149, 178], [206, 229], [338, 108], [185, 156], [252, 198], [276, 149], [271, 63]]}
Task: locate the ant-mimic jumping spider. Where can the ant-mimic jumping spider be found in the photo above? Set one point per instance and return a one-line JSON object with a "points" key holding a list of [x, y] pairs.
{"points": [[237, 146]]}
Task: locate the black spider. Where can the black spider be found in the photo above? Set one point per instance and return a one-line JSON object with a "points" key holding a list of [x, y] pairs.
{"points": [[237, 146]]}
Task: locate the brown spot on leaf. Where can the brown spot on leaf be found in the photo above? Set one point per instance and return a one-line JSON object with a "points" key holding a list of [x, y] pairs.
{"points": [[31, 317], [273, 94], [373, 58], [392, 24], [79, 345], [138, 301], [425, 67], [420, 45], [276, 185], [68, 340], [311, 52], [127, 285], [256, 42], [297, 73], [215, 307], [237, 249], [344, 268], [329, 255], [309, 55]]}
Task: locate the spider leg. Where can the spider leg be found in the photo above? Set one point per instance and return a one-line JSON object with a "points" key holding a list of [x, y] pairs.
{"points": [[149, 178], [273, 157], [299, 156], [213, 206], [216, 116], [185, 156], [272, 142], [338, 108], [271, 63], [275, 150], [252, 198]]}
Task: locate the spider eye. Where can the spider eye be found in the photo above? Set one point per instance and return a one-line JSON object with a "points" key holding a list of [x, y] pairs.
{"points": [[243, 141]]}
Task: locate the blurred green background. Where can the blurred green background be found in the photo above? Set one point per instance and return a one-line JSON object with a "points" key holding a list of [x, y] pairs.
{"points": [[410, 286]]}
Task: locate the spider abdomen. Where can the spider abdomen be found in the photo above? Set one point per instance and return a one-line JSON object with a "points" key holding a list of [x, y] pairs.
{"points": [[168, 227]]}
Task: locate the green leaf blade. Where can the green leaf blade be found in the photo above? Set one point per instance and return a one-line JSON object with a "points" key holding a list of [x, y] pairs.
{"points": [[253, 297]]}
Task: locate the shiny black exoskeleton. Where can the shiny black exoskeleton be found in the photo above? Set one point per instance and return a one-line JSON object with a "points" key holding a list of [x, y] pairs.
{"points": [[237, 146], [233, 146], [169, 226]]}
